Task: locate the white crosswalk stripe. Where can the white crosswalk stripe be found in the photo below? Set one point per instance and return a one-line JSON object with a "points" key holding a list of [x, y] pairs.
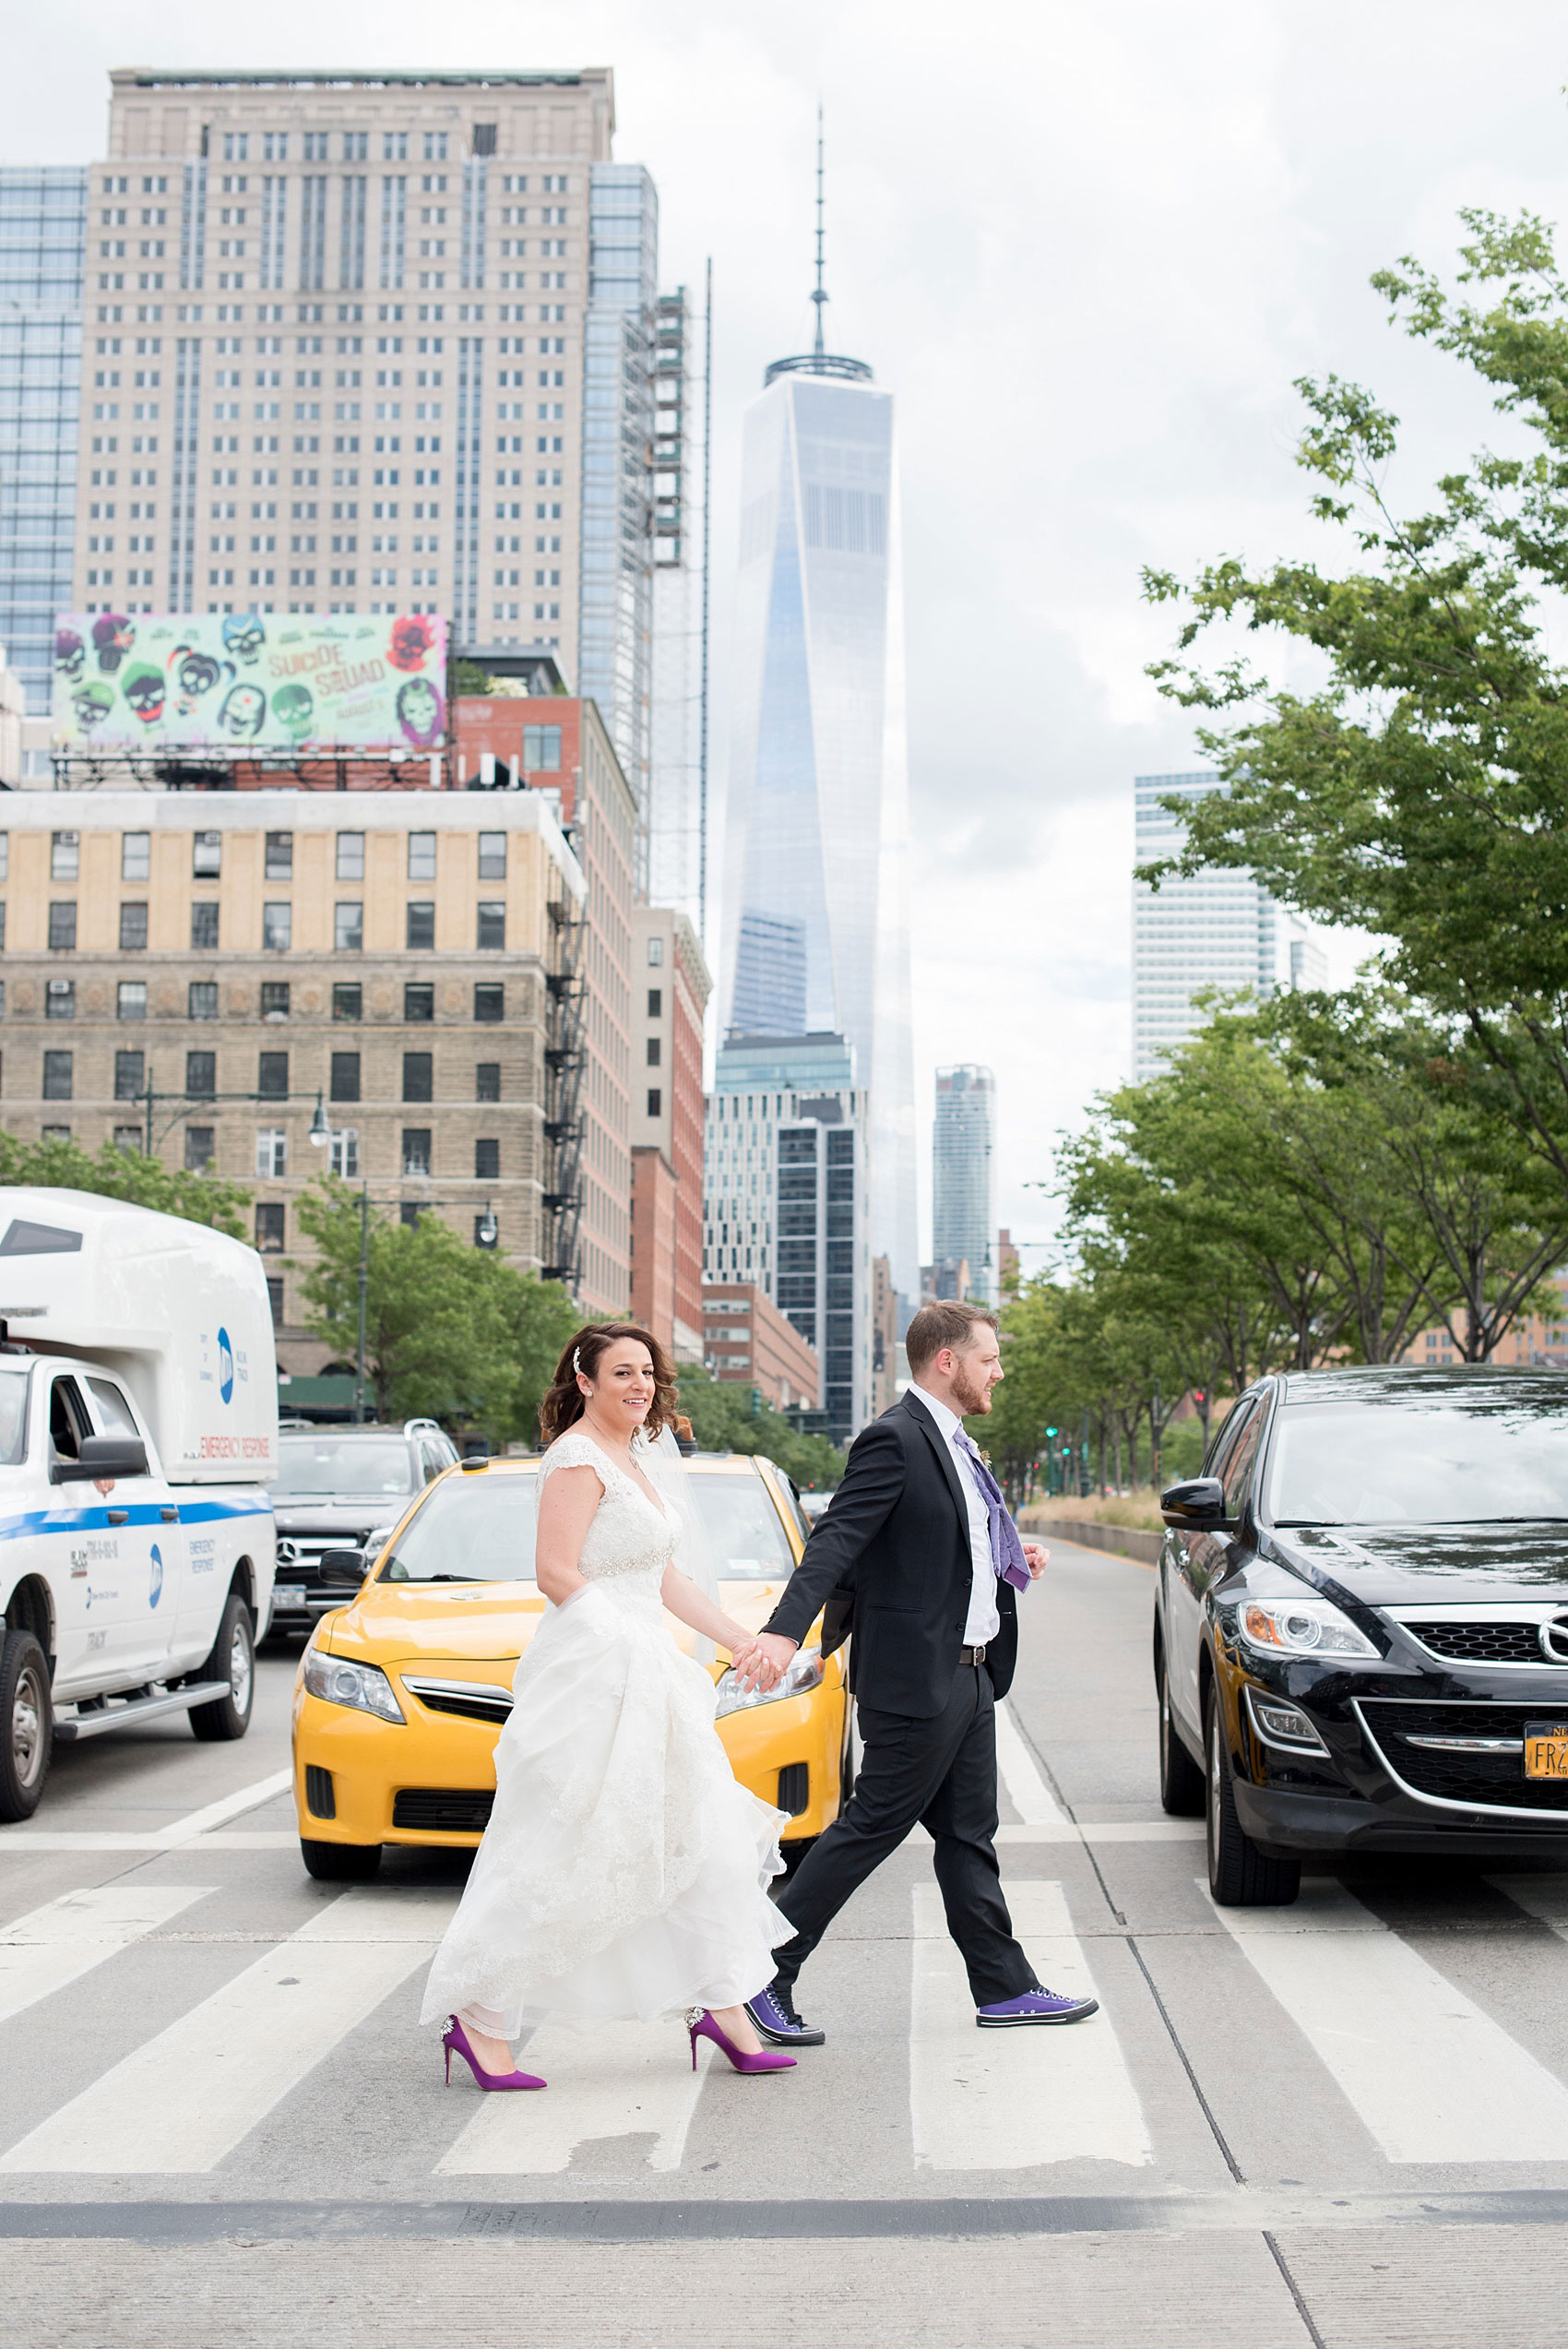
{"points": [[1020, 1775], [55, 1945], [1431, 2076], [622, 2080], [185, 2099], [982, 2100]]}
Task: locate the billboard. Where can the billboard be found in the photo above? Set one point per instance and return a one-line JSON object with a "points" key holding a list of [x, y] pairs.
{"points": [[267, 683]]}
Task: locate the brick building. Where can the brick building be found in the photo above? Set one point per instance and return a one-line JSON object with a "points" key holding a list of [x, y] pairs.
{"points": [[747, 1340], [670, 999]]}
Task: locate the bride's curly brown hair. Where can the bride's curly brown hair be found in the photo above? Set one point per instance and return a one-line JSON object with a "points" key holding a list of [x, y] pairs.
{"points": [[563, 1406]]}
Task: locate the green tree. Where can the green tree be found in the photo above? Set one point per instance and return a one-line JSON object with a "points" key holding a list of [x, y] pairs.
{"points": [[725, 1419], [126, 1174]]}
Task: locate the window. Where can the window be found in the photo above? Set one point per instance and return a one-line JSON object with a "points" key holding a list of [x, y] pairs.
{"points": [[542, 749], [60, 999], [200, 1151], [343, 1152], [655, 1003], [54, 1133], [409, 1213], [271, 1153], [351, 856], [655, 953], [63, 925], [57, 1076], [133, 928], [347, 1002], [130, 1002], [654, 1050], [201, 1001], [129, 1139], [487, 1080], [491, 937], [135, 856], [421, 923], [272, 1075], [418, 1005], [64, 856], [269, 1227], [484, 138], [201, 1075], [276, 926], [655, 1102], [416, 1150], [487, 1162], [421, 856], [204, 926], [4, 855], [275, 1280], [279, 857], [275, 998], [490, 1003], [348, 926], [128, 1066], [207, 855], [345, 1076], [493, 857], [418, 1076]]}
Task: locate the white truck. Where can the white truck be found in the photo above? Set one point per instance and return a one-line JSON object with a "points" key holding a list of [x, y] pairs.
{"points": [[139, 1433]]}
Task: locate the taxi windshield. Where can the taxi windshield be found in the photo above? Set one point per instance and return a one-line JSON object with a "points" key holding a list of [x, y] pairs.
{"points": [[480, 1529], [318, 1467]]}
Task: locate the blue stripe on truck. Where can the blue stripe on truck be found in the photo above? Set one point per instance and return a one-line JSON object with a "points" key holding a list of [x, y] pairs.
{"points": [[75, 1521]]}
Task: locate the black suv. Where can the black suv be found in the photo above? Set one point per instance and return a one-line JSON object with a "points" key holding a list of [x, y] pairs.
{"points": [[337, 1488]]}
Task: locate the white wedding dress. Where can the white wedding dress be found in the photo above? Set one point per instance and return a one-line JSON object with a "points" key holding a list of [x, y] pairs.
{"points": [[623, 1868]]}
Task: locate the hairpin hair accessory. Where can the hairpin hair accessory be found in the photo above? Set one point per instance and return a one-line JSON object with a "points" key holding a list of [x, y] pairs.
{"points": [[578, 1361]]}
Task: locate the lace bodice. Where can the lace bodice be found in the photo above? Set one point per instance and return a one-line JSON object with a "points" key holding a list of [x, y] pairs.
{"points": [[629, 1535]]}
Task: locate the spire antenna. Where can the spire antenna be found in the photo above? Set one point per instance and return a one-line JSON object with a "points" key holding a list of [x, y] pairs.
{"points": [[820, 296]]}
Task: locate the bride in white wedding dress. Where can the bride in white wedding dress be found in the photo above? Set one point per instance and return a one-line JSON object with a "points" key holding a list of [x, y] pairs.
{"points": [[623, 1869]]}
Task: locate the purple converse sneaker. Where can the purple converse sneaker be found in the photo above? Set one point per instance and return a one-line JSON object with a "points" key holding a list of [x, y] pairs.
{"points": [[1035, 2006], [773, 2011]]}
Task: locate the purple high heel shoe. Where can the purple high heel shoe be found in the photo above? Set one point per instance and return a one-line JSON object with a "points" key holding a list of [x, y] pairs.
{"points": [[701, 2026], [454, 2039]]}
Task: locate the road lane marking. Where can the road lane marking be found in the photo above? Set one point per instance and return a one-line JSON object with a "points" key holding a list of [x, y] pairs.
{"points": [[1430, 2075], [1012, 2100], [625, 2079], [221, 1840], [219, 1814], [185, 2099], [1026, 1790], [50, 1947]]}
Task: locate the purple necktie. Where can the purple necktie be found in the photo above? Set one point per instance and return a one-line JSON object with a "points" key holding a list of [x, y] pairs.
{"points": [[1006, 1549]]}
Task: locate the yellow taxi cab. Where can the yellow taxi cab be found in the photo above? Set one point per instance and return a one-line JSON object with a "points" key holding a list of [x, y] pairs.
{"points": [[402, 1694]]}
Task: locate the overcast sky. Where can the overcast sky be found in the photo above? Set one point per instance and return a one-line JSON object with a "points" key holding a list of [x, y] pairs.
{"points": [[1089, 247]]}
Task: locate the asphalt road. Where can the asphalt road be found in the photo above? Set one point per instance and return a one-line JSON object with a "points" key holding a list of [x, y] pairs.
{"points": [[1344, 2123]]}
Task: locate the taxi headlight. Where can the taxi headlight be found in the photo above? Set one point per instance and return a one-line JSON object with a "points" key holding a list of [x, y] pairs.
{"points": [[363, 1685], [1303, 1627], [803, 1671]]}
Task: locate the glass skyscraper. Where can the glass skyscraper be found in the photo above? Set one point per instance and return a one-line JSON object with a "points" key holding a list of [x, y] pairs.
{"points": [[42, 236], [818, 844], [963, 1217]]}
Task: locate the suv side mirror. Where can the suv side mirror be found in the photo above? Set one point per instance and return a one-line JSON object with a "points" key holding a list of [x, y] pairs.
{"points": [[102, 1456], [1197, 1505]]}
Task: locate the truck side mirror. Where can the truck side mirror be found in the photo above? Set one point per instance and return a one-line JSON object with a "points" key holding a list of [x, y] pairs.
{"points": [[1198, 1505], [100, 1459]]}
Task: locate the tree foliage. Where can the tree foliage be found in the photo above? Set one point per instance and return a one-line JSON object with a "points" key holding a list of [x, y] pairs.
{"points": [[724, 1418], [119, 1173]]}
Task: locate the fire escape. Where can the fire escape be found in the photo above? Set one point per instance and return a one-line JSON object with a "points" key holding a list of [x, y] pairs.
{"points": [[565, 1057]]}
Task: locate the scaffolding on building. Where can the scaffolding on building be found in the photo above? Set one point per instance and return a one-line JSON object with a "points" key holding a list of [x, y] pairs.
{"points": [[566, 1058]]}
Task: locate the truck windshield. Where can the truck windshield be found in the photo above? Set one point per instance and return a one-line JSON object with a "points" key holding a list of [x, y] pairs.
{"points": [[325, 1467], [13, 1416]]}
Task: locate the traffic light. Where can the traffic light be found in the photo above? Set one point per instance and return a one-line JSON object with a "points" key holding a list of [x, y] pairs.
{"points": [[1054, 1431]]}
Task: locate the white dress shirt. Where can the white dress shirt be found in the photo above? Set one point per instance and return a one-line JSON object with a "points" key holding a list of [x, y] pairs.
{"points": [[984, 1620]]}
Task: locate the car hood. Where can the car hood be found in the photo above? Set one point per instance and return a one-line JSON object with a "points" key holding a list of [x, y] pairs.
{"points": [[339, 1516], [483, 1622], [1430, 1565]]}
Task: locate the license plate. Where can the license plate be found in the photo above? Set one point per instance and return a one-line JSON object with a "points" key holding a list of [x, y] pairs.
{"points": [[1546, 1748], [288, 1594]]}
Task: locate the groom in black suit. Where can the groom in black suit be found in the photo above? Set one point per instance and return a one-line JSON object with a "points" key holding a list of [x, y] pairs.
{"points": [[917, 1556]]}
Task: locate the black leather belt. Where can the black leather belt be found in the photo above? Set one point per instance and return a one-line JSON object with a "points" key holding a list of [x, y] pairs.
{"points": [[972, 1655]]}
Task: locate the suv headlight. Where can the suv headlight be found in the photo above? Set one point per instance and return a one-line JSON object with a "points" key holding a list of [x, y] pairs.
{"points": [[803, 1671], [363, 1685], [1301, 1627]]}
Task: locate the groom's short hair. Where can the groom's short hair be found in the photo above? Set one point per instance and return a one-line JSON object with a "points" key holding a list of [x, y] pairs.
{"points": [[946, 1321]]}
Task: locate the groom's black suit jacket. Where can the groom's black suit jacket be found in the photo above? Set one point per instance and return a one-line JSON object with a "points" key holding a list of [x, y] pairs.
{"points": [[890, 1561]]}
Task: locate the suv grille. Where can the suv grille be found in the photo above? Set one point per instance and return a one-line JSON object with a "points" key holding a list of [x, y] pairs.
{"points": [[1488, 1780], [442, 1810], [1482, 1642]]}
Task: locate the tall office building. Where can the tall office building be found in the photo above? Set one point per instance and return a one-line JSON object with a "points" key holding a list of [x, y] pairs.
{"points": [[42, 216], [963, 1216], [786, 1171], [351, 343], [818, 793], [677, 811], [1218, 930]]}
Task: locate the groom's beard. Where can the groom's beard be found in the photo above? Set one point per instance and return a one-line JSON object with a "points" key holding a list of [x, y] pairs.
{"points": [[968, 1393]]}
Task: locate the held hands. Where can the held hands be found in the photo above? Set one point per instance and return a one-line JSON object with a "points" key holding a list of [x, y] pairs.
{"points": [[1036, 1557], [761, 1663]]}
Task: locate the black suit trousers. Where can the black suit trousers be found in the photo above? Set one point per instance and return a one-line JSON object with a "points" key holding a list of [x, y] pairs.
{"points": [[943, 1772]]}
